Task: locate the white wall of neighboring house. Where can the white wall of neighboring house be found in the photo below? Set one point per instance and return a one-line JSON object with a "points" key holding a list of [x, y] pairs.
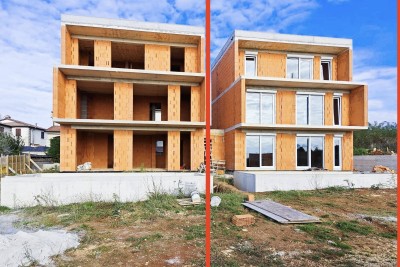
{"points": [[5, 129], [51, 135], [30, 136]]}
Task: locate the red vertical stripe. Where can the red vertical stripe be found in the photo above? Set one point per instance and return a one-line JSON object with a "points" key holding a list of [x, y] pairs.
{"points": [[208, 122]]}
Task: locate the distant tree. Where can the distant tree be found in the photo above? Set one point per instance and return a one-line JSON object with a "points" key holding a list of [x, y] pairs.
{"points": [[54, 149], [10, 145], [381, 136]]}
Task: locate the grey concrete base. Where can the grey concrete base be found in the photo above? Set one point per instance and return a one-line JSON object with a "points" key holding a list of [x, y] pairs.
{"points": [[262, 181], [65, 188]]}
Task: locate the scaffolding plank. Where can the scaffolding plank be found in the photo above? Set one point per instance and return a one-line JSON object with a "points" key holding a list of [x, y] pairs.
{"points": [[279, 212]]}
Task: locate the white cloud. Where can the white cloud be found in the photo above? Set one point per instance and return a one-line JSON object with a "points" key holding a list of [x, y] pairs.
{"points": [[30, 44]]}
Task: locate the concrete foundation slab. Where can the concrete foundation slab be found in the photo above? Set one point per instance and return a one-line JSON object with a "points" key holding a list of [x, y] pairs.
{"points": [[66, 188], [262, 181]]}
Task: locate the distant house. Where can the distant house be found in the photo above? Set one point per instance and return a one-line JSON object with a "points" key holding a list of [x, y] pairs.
{"points": [[32, 135], [5, 128], [53, 131]]}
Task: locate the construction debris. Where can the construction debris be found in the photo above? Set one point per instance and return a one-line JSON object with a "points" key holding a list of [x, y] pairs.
{"points": [[87, 166], [279, 212], [215, 201], [382, 169], [250, 197], [195, 197], [243, 220], [189, 202]]}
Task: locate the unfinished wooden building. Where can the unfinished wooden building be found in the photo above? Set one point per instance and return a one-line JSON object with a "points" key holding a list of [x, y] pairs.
{"points": [[287, 102], [130, 95]]}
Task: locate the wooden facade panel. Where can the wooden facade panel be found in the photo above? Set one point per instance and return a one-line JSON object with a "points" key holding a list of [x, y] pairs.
{"points": [[58, 94], [191, 59], [285, 152], [218, 146], [328, 152], [317, 68], [173, 151], [174, 102], [328, 109], [286, 107], [71, 99], [359, 106], [347, 151], [197, 148], [123, 101], [93, 147], [123, 150], [201, 57], [344, 66], [102, 53], [346, 109], [235, 149], [74, 51], [203, 103], [275, 65], [68, 161], [157, 57], [334, 69], [262, 64], [65, 45], [195, 103], [240, 62]]}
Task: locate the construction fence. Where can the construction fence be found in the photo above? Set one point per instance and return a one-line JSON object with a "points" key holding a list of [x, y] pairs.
{"points": [[17, 164]]}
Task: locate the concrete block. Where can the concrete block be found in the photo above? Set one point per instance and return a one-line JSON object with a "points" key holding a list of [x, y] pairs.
{"points": [[243, 220]]}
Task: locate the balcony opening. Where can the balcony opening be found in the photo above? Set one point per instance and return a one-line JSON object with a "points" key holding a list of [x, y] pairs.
{"points": [[150, 102], [96, 147], [149, 150], [185, 151], [127, 56], [95, 100], [86, 52], [178, 59], [186, 103]]}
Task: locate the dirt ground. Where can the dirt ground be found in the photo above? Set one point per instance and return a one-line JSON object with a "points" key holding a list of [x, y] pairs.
{"points": [[358, 228]]}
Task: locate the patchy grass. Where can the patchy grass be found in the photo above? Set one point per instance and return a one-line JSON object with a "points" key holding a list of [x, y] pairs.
{"points": [[4, 209], [195, 232], [138, 242], [342, 239]]}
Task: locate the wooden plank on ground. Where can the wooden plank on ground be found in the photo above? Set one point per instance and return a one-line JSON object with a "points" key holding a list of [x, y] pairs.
{"points": [[279, 212]]}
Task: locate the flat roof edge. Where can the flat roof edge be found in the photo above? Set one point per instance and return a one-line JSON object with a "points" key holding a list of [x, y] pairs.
{"points": [[293, 38], [67, 19]]}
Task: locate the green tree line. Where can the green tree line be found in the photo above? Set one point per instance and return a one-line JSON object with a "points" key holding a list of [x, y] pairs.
{"points": [[382, 136]]}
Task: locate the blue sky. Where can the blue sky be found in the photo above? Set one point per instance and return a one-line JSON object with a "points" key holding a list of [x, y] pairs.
{"points": [[30, 40]]}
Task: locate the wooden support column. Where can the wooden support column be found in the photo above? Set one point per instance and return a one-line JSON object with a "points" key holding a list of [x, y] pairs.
{"points": [[195, 102], [102, 53], [285, 152], [58, 94], [67, 149], [191, 59], [196, 149], [286, 107], [347, 151], [328, 152], [328, 106], [200, 56], [123, 150], [317, 68], [174, 103], [71, 99], [123, 101], [173, 150]]}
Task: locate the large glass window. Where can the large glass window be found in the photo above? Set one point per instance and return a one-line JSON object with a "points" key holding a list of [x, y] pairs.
{"points": [[310, 152], [260, 107], [251, 63], [309, 109], [299, 68], [337, 150], [260, 151]]}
